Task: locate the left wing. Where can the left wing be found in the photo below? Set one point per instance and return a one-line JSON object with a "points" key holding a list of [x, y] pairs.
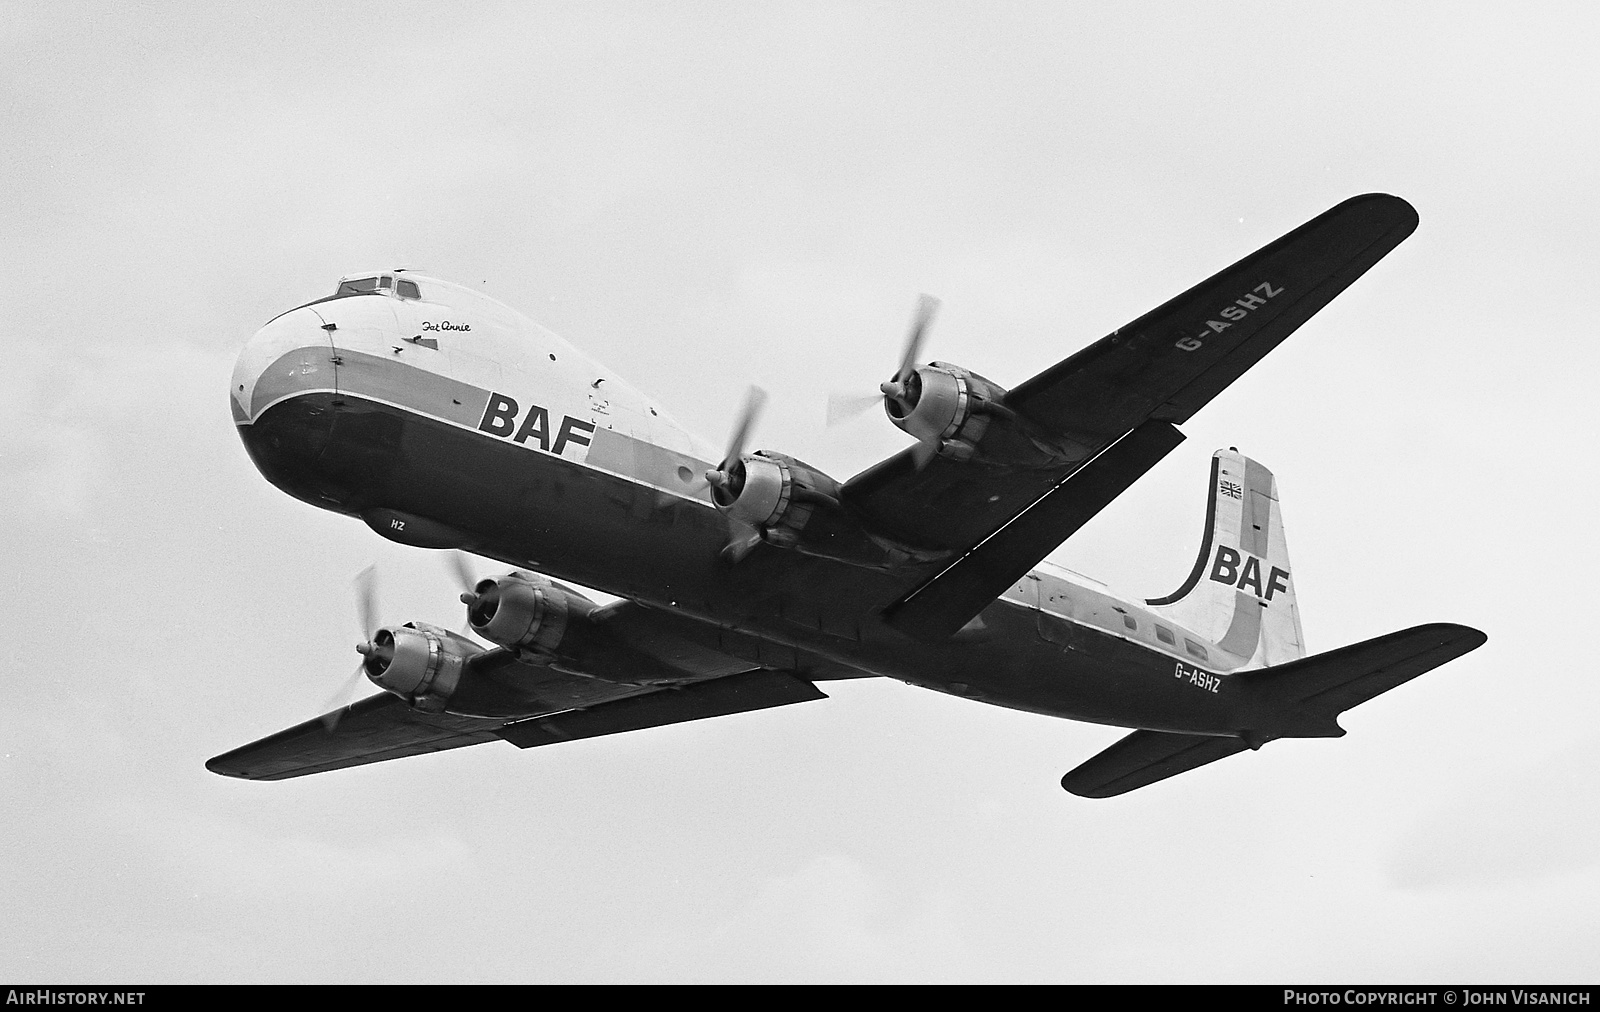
{"points": [[1137, 383]]}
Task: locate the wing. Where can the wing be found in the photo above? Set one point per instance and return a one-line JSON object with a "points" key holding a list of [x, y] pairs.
{"points": [[384, 727], [1170, 362], [752, 690], [375, 729], [1137, 383], [1163, 366], [953, 596]]}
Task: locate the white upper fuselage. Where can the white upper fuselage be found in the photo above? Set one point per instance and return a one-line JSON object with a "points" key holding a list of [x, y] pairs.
{"points": [[455, 332]]}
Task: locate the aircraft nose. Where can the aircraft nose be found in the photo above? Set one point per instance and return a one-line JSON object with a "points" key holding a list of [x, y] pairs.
{"points": [[291, 354]]}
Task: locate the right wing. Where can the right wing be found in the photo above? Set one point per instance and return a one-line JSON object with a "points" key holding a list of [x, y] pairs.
{"points": [[383, 727], [375, 729], [642, 667], [752, 690]]}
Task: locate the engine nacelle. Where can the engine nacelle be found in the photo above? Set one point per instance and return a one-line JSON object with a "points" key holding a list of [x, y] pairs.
{"points": [[775, 494], [418, 663], [793, 505], [524, 611], [947, 405]]}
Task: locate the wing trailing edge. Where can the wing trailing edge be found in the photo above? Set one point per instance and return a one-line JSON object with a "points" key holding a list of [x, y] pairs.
{"points": [[719, 697], [954, 595]]}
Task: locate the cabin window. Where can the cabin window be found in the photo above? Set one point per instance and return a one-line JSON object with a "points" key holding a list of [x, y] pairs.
{"points": [[1194, 648], [1128, 621], [1165, 635], [407, 289]]}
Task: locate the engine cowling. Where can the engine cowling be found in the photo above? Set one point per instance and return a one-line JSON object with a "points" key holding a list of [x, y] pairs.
{"points": [[792, 505], [775, 494], [524, 611], [944, 405], [418, 663]]}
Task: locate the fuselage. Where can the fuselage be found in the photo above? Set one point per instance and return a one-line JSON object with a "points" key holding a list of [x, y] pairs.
{"points": [[444, 419]]}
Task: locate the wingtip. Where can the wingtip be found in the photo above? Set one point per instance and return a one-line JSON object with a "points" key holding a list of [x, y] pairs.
{"points": [[1464, 636], [1094, 791], [220, 766], [1397, 211], [1477, 637]]}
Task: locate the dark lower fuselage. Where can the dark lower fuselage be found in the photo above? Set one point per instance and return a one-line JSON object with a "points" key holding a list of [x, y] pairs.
{"points": [[449, 484]]}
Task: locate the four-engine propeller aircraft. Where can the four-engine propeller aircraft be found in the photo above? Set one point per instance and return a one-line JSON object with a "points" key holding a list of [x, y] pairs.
{"points": [[445, 420]]}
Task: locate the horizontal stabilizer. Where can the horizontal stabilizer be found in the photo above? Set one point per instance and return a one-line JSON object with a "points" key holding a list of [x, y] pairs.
{"points": [[1144, 757], [1331, 683], [752, 690], [1298, 699]]}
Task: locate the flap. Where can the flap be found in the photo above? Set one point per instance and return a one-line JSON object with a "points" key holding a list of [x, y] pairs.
{"points": [[752, 690]]}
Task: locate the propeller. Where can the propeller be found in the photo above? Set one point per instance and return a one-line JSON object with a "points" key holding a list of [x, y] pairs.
{"points": [[728, 476], [365, 585], [726, 480], [457, 560], [904, 387], [469, 590]]}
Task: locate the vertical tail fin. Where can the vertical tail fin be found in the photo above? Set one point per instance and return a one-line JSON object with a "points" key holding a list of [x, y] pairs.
{"points": [[1240, 594]]}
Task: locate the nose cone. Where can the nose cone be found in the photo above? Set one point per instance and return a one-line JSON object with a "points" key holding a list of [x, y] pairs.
{"points": [[291, 354], [284, 401]]}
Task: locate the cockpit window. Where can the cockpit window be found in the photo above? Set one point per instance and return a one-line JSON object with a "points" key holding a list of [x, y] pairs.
{"points": [[383, 284], [378, 284]]}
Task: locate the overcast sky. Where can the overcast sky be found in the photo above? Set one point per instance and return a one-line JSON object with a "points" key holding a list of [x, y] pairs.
{"points": [[704, 196]]}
